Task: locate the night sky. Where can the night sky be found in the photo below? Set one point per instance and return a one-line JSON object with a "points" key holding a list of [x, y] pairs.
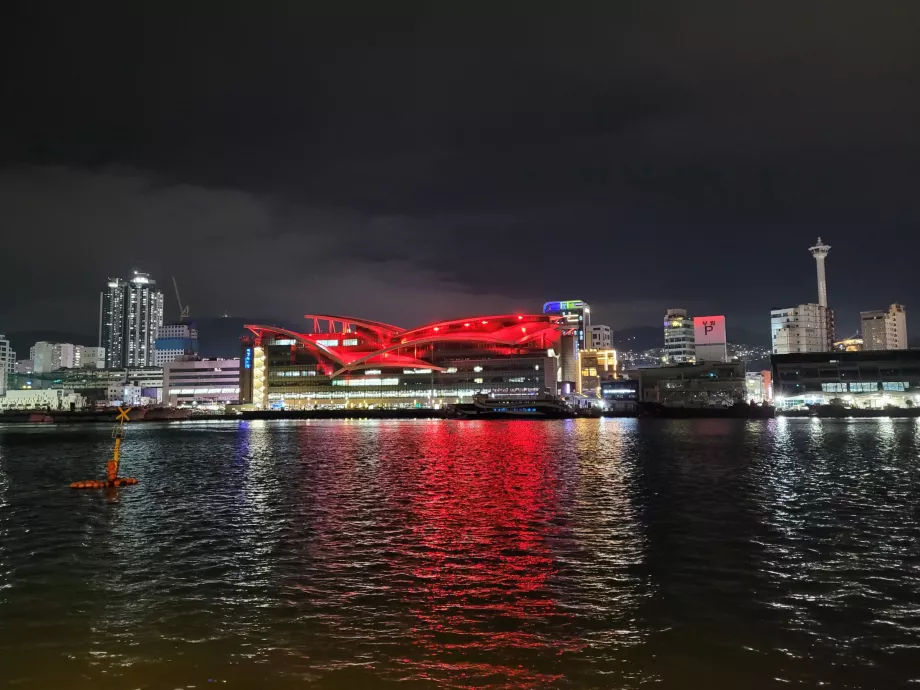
{"points": [[405, 162]]}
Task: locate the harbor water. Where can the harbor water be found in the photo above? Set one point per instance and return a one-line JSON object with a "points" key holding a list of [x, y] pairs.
{"points": [[587, 553]]}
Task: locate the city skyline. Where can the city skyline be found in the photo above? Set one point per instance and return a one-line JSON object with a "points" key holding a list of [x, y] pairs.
{"points": [[422, 165]]}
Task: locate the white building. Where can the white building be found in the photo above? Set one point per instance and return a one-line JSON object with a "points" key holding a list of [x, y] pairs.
{"points": [[7, 362], [45, 399], [805, 328], [130, 317], [600, 337], [201, 382], [175, 341], [679, 340], [47, 357], [23, 366], [884, 330], [90, 357]]}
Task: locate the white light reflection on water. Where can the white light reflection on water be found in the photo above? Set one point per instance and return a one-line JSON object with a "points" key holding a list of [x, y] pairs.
{"points": [[841, 537], [5, 583]]}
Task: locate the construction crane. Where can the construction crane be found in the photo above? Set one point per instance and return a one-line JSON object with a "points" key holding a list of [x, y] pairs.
{"points": [[183, 311]]}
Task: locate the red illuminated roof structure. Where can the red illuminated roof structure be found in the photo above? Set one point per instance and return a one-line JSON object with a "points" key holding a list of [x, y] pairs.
{"points": [[349, 344]]}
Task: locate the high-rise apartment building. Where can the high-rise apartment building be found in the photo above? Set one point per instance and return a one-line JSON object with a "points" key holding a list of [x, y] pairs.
{"points": [[112, 322], [679, 340], [7, 362], [805, 328], [47, 357], [130, 317], [885, 329]]}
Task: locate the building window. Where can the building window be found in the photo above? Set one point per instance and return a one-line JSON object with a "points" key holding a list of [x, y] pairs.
{"points": [[896, 386]]}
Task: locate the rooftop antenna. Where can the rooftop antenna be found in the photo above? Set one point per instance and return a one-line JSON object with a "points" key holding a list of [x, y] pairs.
{"points": [[183, 311]]}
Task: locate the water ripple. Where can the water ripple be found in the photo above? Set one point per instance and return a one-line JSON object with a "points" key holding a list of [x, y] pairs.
{"points": [[578, 553]]}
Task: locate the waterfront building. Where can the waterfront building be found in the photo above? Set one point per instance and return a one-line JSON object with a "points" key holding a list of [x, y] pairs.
{"points": [[884, 329], [600, 337], [204, 382], [98, 386], [347, 362], [679, 339], [758, 387], [861, 379], [710, 343], [596, 366], [704, 384], [46, 399], [130, 316], [621, 395], [175, 341], [805, 328], [577, 315], [590, 378], [7, 362]]}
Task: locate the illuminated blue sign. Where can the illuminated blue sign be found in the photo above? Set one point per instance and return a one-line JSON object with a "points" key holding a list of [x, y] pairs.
{"points": [[247, 359], [566, 305]]}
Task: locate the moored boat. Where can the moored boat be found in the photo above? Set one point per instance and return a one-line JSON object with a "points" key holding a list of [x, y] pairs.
{"points": [[542, 406]]}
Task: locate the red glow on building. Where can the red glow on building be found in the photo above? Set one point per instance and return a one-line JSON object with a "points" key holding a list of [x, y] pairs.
{"points": [[346, 344]]}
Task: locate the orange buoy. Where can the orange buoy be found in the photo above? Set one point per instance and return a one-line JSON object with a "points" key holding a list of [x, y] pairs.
{"points": [[111, 467]]}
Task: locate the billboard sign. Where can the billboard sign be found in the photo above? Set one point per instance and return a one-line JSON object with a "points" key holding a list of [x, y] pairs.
{"points": [[247, 358], [567, 305], [709, 330]]}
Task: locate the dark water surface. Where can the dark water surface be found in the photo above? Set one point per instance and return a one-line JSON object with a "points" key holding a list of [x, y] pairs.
{"points": [[415, 554]]}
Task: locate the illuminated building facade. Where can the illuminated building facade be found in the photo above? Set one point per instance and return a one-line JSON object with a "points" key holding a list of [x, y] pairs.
{"points": [[873, 379], [679, 339], [346, 362], [206, 382], [130, 316], [577, 315]]}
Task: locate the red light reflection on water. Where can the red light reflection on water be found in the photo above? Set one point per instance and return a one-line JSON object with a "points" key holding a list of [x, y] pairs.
{"points": [[481, 567]]}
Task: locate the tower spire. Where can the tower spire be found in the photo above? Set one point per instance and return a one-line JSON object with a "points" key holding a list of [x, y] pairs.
{"points": [[819, 251]]}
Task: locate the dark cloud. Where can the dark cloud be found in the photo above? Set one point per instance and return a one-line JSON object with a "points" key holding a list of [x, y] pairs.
{"points": [[406, 161]]}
